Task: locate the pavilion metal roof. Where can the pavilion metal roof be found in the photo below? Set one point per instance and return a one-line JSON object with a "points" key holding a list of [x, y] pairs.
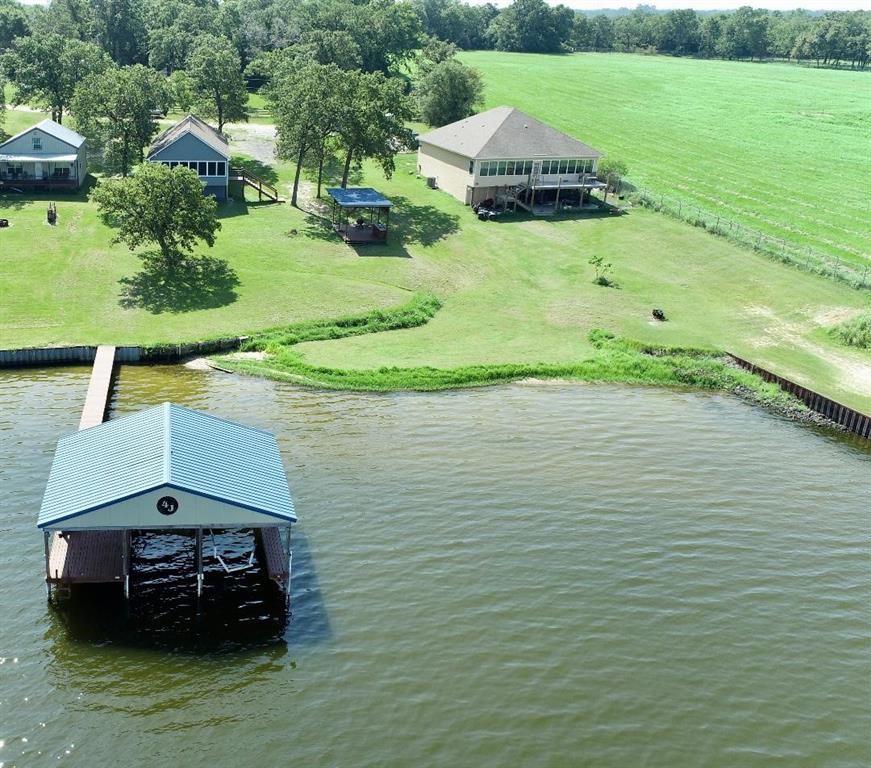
{"points": [[358, 197], [166, 446], [505, 133]]}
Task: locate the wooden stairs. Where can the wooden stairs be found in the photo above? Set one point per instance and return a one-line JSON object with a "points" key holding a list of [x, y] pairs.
{"points": [[255, 182]]}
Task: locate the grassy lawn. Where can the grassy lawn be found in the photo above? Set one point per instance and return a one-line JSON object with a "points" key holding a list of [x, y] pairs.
{"points": [[514, 291], [785, 150]]}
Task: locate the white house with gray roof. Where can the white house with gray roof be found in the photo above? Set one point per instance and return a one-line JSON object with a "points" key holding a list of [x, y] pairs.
{"points": [[506, 151], [46, 156], [195, 145]]}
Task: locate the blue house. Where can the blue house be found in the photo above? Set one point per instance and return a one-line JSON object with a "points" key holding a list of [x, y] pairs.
{"points": [[195, 145]]}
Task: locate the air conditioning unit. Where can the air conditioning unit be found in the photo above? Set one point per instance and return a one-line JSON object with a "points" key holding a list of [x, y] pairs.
{"points": [[431, 182]]}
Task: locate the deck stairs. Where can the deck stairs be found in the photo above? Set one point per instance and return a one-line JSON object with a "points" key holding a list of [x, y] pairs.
{"points": [[255, 182]]}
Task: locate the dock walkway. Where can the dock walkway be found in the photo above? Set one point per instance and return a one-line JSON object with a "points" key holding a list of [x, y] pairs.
{"points": [[97, 399]]}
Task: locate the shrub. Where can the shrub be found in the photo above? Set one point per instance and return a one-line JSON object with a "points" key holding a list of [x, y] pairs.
{"points": [[855, 332]]}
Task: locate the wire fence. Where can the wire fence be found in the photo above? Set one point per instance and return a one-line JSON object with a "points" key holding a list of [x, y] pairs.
{"points": [[803, 257]]}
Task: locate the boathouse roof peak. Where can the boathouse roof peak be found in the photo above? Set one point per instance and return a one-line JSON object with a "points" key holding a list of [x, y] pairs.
{"points": [[166, 467]]}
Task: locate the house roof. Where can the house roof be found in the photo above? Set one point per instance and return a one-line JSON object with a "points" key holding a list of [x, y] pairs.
{"points": [[504, 133], [167, 445], [51, 128], [191, 124], [358, 197]]}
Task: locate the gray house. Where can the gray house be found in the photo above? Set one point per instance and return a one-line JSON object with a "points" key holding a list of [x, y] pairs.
{"points": [[47, 156], [195, 145]]}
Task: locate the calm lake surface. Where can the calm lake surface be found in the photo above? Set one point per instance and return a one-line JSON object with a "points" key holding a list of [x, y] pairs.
{"points": [[541, 575]]}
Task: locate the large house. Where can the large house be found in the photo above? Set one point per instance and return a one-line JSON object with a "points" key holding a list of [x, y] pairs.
{"points": [[505, 152], [47, 156], [195, 145]]}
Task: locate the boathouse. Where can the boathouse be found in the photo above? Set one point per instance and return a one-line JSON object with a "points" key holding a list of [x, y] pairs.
{"points": [[167, 468], [506, 156]]}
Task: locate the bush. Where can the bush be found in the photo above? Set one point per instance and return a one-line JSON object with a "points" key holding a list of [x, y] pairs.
{"points": [[855, 332]]}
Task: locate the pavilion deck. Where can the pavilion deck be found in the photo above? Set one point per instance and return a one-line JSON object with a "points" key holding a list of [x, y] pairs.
{"points": [[86, 557], [360, 235]]}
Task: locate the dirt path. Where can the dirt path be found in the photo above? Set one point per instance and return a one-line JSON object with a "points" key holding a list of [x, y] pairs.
{"points": [[253, 139], [853, 371]]}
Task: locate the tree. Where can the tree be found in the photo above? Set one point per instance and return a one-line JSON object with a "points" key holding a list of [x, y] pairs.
{"points": [[180, 90], [119, 29], [612, 172], [13, 23], [304, 104], [173, 27], [532, 26], [159, 205], [450, 91], [2, 103], [116, 110], [47, 69], [215, 73], [373, 110]]}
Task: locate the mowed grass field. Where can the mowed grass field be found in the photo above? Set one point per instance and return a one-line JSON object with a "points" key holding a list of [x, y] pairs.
{"points": [[783, 149]]}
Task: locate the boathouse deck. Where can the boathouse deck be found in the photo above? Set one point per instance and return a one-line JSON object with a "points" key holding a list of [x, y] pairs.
{"points": [[87, 557]]}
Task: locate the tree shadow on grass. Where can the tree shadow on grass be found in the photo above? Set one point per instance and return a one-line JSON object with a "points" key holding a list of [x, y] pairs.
{"points": [[197, 282], [420, 224], [259, 169], [409, 224]]}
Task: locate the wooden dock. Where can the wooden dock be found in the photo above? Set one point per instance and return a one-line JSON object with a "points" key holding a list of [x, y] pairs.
{"points": [[92, 557], [97, 399], [275, 559]]}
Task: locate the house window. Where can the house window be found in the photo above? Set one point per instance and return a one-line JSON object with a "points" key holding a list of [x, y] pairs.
{"points": [[222, 168], [37, 142], [471, 166], [204, 171], [212, 169], [501, 169], [509, 170], [173, 164]]}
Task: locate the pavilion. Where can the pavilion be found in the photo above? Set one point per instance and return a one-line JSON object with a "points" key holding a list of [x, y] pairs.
{"points": [[167, 468], [360, 214]]}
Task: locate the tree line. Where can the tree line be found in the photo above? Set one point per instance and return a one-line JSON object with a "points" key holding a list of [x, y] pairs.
{"points": [[341, 77], [532, 26]]}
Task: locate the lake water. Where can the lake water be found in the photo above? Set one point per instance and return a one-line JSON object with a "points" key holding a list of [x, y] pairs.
{"points": [[541, 575]]}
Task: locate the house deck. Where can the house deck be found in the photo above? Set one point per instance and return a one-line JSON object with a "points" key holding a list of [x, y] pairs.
{"points": [[92, 557], [9, 184]]}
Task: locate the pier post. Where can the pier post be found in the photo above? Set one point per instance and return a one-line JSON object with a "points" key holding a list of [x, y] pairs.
{"points": [[199, 564], [45, 540]]}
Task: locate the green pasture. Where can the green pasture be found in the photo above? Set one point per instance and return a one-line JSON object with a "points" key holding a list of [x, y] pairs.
{"points": [[782, 149]]}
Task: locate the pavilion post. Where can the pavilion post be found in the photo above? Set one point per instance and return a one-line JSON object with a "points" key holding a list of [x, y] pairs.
{"points": [[559, 185], [199, 562]]}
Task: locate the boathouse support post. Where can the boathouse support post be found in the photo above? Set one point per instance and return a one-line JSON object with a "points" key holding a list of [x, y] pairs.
{"points": [[46, 539], [199, 562], [289, 561]]}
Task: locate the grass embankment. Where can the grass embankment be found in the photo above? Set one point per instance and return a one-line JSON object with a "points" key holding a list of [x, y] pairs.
{"points": [[612, 360], [781, 149]]}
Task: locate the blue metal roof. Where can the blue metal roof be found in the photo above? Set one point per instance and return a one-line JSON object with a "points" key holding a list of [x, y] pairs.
{"points": [[166, 445], [358, 197]]}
